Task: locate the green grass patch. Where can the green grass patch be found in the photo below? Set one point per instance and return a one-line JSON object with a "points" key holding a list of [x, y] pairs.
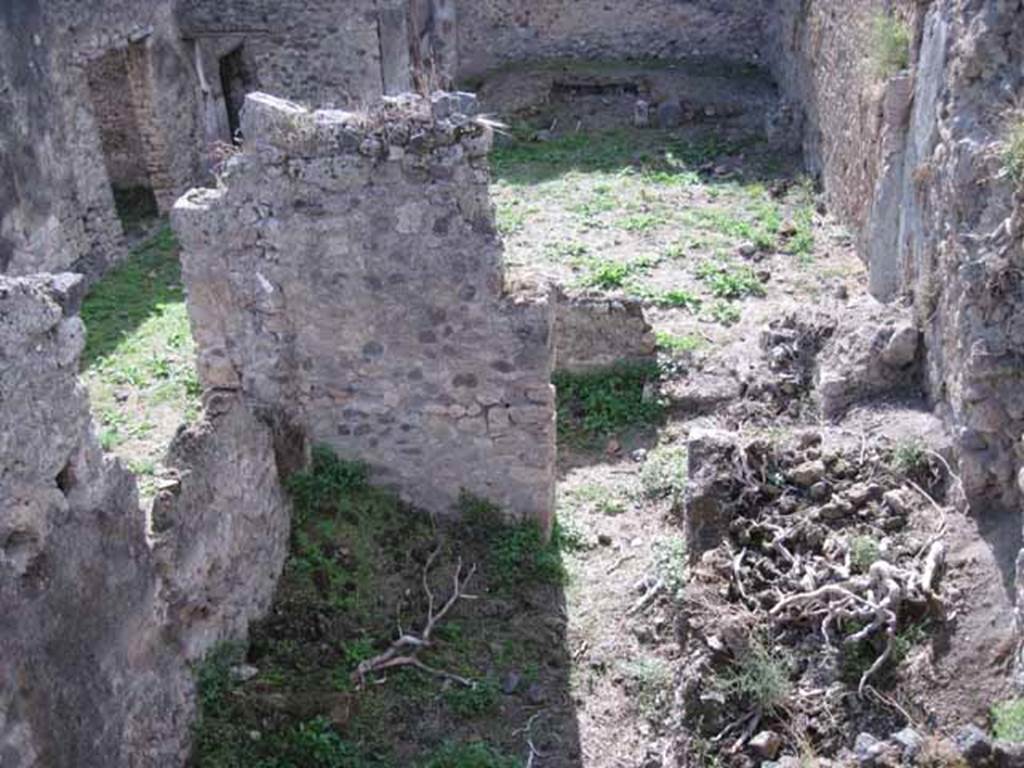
{"points": [[594, 406], [1008, 720], [609, 274], [726, 281], [678, 299], [677, 345], [760, 677], [473, 754], [1013, 154], [725, 313], [890, 44], [518, 553], [139, 358]]}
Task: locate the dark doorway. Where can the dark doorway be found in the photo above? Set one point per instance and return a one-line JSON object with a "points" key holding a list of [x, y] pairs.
{"points": [[119, 90], [236, 81]]}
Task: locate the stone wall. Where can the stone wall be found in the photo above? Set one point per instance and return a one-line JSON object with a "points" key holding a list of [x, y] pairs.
{"points": [[493, 33], [348, 272], [104, 615], [594, 331], [912, 164], [141, 80]]}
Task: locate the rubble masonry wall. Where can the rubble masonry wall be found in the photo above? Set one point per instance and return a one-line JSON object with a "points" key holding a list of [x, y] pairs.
{"points": [[348, 274]]}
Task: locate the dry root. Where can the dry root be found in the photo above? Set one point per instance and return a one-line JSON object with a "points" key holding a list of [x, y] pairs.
{"points": [[404, 651]]}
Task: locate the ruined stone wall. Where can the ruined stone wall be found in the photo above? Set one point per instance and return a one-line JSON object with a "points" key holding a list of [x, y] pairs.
{"points": [[104, 615], [142, 80], [322, 52], [913, 165], [497, 32], [57, 210], [349, 273]]}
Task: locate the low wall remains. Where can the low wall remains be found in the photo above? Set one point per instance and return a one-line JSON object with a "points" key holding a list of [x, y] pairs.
{"points": [[104, 613]]}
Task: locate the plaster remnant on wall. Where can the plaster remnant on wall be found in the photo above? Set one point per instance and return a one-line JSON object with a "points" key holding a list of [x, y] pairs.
{"points": [[388, 334]]}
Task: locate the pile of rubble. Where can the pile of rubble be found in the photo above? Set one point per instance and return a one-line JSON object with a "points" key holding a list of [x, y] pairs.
{"points": [[815, 570]]}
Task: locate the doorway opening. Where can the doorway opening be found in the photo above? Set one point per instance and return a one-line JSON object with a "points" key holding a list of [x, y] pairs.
{"points": [[236, 81], [120, 90]]}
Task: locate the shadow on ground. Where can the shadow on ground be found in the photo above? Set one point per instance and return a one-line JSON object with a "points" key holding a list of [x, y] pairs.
{"points": [[496, 685]]}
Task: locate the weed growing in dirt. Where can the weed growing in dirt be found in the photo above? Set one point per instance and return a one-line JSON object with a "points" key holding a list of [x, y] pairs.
{"points": [[641, 222], [1013, 154], [327, 479], [593, 406], [801, 243], [650, 679], [663, 474], [890, 45], [482, 699], [760, 677], [670, 563], [566, 251], [730, 282], [725, 312], [474, 754], [909, 457], [606, 274], [864, 551], [673, 344], [510, 219], [1008, 720], [678, 299], [220, 744], [518, 553]]}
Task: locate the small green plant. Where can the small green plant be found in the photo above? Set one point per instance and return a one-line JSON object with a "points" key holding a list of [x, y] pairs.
{"points": [[678, 298], [518, 553], [651, 680], [864, 551], [1008, 720], [641, 222], [328, 478], [593, 406], [801, 244], [725, 313], [663, 474], [213, 676], [909, 457], [510, 220], [605, 274], [760, 677], [890, 42], [566, 251], [670, 563], [476, 701], [728, 282], [472, 754], [669, 342], [1013, 153]]}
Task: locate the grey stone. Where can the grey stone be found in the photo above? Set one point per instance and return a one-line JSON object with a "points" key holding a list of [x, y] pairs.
{"points": [[670, 114], [808, 473], [973, 743], [901, 349], [909, 740], [510, 682], [767, 744]]}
